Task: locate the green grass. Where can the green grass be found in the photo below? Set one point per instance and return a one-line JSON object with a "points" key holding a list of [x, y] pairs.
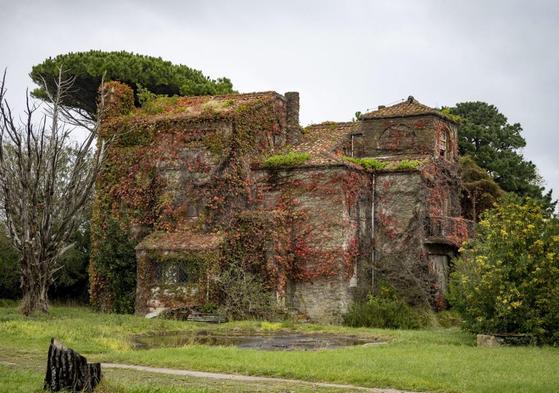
{"points": [[439, 360]]}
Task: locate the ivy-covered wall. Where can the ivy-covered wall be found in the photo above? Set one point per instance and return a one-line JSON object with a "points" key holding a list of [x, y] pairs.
{"points": [[206, 185], [183, 167]]}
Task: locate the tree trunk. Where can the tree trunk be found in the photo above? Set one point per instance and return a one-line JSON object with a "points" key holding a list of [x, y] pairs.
{"points": [[68, 370], [35, 289]]}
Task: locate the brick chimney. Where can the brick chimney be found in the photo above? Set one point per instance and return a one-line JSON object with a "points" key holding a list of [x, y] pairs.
{"points": [[292, 117]]}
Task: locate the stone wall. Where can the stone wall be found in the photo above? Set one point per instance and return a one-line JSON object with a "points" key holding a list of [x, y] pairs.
{"points": [[399, 260], [329, 220]]}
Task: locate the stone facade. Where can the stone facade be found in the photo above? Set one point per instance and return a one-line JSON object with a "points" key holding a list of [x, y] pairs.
{"points": [[331, 229]]}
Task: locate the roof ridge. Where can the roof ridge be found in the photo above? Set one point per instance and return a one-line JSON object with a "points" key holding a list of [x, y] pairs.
{"points": [[327, 123], [409, 107]]}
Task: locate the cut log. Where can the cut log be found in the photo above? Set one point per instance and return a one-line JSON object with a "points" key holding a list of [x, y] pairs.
{"points": [[68, 370]]}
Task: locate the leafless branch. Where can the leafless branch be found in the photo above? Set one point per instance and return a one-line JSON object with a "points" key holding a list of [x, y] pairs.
{"points": [[46, 180]]}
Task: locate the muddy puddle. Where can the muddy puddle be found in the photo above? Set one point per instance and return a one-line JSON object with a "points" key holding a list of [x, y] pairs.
{"points": [[284, 341]]}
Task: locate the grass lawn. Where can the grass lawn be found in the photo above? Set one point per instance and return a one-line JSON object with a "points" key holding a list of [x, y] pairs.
{"points": [[437, 360]]}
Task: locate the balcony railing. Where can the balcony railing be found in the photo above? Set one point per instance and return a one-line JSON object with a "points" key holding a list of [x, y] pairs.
{"points": [[450, 230]]}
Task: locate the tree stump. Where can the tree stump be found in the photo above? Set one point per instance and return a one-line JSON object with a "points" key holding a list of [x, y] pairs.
{"points": [[68, 370]]}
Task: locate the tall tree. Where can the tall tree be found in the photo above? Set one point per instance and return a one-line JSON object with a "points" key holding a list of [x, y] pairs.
{"points": [[486, 135], [137, 71], [479, 190], [45, 182]]}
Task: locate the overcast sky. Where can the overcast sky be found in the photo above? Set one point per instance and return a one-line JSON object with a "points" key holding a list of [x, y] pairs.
{"points": [[342, 56]]}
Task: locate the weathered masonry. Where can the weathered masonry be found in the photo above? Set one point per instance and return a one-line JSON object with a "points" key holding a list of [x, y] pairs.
{"points": [[373, 201]]}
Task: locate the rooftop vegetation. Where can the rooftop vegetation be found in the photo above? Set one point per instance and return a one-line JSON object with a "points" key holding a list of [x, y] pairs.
{"points": [[376, 164], [289, 159]]}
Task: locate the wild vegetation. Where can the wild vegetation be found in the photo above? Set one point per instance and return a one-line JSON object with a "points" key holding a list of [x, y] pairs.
{"points": [[506, 278]]}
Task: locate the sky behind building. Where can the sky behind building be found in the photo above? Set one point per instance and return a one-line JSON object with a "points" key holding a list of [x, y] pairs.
{"points": [[342, 56]]}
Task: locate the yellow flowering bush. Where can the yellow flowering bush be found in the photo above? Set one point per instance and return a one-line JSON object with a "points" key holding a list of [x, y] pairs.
{"points": [[507, 278]]}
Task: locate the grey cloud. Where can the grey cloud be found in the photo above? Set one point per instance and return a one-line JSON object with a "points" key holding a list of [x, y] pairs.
{"points": [[341, 56]]}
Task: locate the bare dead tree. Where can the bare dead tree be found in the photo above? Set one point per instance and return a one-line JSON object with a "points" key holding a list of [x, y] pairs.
{"points": [[46, 179]]}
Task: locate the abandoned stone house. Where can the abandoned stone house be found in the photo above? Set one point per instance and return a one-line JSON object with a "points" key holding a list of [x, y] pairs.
{"points": [[364, 203]]}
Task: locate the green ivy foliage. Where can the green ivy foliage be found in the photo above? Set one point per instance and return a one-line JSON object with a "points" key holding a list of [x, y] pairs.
{"points": [[138, 71], [115, 259], [506, 278]]}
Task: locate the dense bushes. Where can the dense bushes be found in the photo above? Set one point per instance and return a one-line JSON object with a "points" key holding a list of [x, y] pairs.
{"points": [[506, 279], [384, 309], [115, 259]]}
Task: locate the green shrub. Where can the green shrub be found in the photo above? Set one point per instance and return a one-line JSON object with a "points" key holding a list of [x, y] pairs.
{"points": [[367, 162], [286, 160], [506, 279], [383, 310], [115, 260]]}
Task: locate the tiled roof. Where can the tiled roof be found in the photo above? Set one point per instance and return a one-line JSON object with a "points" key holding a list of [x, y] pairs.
{"points": [[324, 141], [210, 106], [410, 107], [180, 241]]}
